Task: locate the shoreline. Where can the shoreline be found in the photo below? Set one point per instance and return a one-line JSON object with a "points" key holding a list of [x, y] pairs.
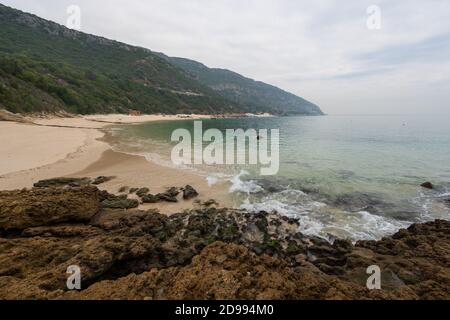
{"points": [[142, 253], [133, 171], [72, 147], [76, 147]]}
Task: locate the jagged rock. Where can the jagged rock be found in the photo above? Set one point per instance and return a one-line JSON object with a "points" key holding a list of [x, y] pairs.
{"points": [[39, 207], [210, 203], [172, 192], [62, 182], [206, 253], [133, 190], [105, 195], [64, 231], [427, 185], [168, 196], [142, 192], [101, 179], [189, 192], [342, 245], [149, 198], [230, 272]]}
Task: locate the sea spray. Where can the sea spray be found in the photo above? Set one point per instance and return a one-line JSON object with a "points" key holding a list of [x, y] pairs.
{"points": [[239, 185]]}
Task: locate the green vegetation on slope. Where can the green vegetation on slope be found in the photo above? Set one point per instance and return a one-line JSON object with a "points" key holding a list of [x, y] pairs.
{"points": [[47, 67], [254, 95]]}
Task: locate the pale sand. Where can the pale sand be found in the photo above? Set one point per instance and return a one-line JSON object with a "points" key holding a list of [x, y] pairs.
{"points": [[29, 153], [69, 147], [120, 118], [100, 121], [136, 172]]}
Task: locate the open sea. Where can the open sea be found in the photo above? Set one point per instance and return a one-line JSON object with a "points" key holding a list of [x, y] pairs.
{"points": [[355, 177]]}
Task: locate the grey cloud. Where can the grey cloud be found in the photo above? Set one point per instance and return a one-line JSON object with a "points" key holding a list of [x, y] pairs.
{"points": [[433, 48], [321, 50]]}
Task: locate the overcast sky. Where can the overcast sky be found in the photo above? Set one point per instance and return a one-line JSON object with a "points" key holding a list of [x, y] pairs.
{"points": [[321, 50]]}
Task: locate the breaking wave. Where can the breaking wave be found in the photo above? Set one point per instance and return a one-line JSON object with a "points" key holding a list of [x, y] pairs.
{"points": [[317, 218], [239, 185]]}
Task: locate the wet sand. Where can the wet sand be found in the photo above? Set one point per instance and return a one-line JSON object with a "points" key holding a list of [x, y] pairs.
{"points": [[136, 172], [70, 147]]}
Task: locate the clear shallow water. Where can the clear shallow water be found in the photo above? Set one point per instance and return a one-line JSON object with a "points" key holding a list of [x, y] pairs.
{"points": [[341, 176]]}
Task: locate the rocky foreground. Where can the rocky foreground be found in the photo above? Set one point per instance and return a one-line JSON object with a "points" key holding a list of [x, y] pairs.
{"points": [[208, 253]]}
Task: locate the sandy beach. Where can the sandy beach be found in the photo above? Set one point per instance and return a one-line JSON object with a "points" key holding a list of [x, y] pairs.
{"points": [[70, 147]]}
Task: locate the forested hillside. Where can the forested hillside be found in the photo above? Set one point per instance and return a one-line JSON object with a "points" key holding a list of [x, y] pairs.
{"points": [[46, 67]]}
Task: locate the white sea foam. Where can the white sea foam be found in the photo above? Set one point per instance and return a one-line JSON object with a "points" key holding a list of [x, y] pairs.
{"points": [[365, 226], [239, 185], [428, 202], [317, 218]]}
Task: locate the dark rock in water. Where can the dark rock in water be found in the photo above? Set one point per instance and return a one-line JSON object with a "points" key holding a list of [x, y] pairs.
{"points": [[189, 192], [47, 206], [359, 201], [271, 186], [427, 185], [124, 189], [404, 215], [142, 192], [447, 202], [62, 182], [101, 179], [120, 203]]}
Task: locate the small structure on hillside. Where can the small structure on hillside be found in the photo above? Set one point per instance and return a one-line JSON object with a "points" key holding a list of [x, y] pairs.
{"points": [[134, 113]]}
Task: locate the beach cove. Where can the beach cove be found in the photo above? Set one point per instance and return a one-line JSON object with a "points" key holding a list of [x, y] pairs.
{"points": [[53, 147], [188, 246]]}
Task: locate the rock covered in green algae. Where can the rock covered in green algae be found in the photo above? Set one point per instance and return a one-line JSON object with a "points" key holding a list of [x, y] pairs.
{"points": [[169, 196], [189, 192], [206, 254], [62, 182], [142, 192], [101, 179]]}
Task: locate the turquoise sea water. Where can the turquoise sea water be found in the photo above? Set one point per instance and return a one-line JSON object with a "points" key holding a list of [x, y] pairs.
{"points": [[341, 176]]}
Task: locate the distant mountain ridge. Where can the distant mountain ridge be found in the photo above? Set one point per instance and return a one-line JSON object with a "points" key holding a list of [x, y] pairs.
{"points": [[254, 94], [47, 67]]}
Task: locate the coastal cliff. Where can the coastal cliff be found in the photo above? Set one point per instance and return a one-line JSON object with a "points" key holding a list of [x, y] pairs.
{"points": [[207, 253], [46, 67]]}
